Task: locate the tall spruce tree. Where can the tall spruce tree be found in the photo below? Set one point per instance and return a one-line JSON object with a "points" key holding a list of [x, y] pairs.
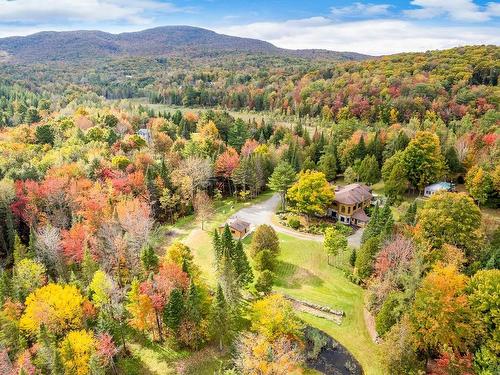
{"points": [[241, 265], [221, 317], [149, 259], [194, 303], [172, 314]]}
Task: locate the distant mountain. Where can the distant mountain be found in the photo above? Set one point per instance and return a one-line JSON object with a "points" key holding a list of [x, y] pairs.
{"points": [[161, 41]]}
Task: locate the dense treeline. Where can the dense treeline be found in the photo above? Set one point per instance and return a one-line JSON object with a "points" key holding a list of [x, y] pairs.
{"points": [[449, 84], [87, 190]]}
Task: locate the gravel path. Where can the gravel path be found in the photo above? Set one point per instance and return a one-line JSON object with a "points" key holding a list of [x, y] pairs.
{"points": [[262, 213]]}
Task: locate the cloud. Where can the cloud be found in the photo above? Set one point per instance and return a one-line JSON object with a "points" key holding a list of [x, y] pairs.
{"points": [[359, 10], [374, 37], [62, 11], [459, 10]]}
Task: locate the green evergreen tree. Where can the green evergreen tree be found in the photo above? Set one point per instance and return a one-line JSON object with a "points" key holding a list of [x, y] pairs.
{"points": [[149, 259], [44, 134], [280, 181], [352, 257], [372, 226], [194, 303], [241, 265], [365, 257], [7, 234], [31, 253], [264, 282], [369, 170], [360, 151], [328, 165], [5, 286], [89, 266], [221, 319], [308, 164], [172, 314], [19, 250], [216, 244], [410, 216]]}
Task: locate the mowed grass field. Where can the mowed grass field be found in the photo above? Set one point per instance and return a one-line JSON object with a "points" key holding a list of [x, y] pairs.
{"points": [[303, 273]]}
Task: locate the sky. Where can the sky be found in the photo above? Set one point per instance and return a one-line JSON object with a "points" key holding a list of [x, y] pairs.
{"points": [[374, 27]]}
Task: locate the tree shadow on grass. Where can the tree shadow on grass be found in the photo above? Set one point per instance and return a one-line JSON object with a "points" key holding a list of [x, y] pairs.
{"points": [[291, 276]]}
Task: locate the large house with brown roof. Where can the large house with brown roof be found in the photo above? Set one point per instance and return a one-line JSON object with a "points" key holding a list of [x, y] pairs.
{"points": [[350, 203]]}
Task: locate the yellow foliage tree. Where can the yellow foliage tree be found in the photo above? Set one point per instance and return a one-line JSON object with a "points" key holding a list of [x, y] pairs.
{"points": [[274, 317], [76, 350], [311, 194], [57, 307]]}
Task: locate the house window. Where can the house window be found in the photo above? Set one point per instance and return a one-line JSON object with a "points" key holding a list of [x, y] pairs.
{"points": [[342, 219], [342, 209], [349, 209]]}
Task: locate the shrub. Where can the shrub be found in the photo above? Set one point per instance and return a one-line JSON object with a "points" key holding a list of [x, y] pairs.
{"points": [[121, 162], [344, 229], [294, 222], [318, 341], [388, 314]]}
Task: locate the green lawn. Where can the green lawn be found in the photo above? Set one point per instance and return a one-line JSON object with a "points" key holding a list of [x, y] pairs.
{"points": [[303, 273]]}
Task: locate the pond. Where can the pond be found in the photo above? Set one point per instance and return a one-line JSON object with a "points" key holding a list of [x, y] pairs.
{"points": [[327, 356]]}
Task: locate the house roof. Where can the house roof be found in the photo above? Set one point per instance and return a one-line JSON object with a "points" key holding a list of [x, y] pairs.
{"points": [[352, 194], [360, 215], [238, 225], [439, 186]]}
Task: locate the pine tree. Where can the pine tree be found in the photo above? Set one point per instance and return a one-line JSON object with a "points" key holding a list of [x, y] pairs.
{"points": [[360, 152], [7, 234], [241, 265], [185, 266], [385, 215], [226, 272], [371, 227], [221, 319], [388, 227], [226, 242], [352, 258], [89, 266], [172, 314], [193, 305], [5, 286], [410, 215], [149, 259]]}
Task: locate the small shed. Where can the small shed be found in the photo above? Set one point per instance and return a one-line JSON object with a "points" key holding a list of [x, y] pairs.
{"points": [[238, 228], [430, 190]]}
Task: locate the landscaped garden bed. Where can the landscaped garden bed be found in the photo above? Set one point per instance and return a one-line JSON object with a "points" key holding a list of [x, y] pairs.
{"points": [[314, 225]]}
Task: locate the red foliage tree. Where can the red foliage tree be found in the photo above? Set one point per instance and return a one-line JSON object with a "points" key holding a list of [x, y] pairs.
{"points": [[73, 242], [227, 162]]}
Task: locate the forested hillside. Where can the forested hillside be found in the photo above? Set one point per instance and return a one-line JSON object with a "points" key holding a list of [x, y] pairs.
{"points": [[114, 256], [158, 42]]}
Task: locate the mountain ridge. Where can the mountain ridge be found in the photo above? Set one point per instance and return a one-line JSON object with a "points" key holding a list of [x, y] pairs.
{"points": [[155, 42]]}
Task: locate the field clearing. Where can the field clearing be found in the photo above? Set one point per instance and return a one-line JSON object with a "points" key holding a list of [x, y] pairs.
{"points": [[303, 273], [279, 120]]}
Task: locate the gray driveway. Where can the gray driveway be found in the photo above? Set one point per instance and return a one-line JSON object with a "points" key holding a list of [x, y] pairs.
{"points": [[263, 212]]}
